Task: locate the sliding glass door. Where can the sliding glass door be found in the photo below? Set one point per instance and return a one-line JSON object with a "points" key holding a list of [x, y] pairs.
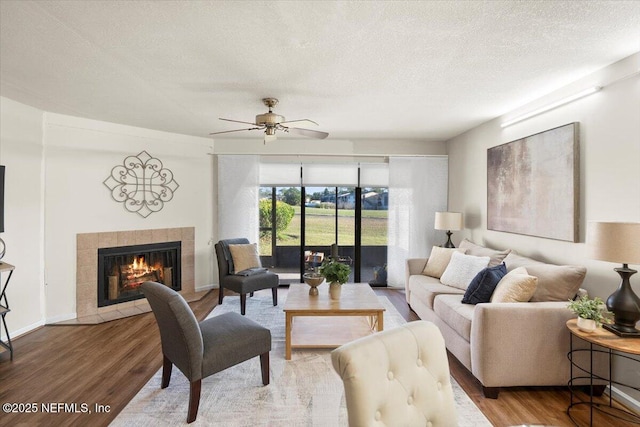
{"points": [[319, 225], [373, 233], [329, 225], [280, 231], [345, 222], [337, 210]]}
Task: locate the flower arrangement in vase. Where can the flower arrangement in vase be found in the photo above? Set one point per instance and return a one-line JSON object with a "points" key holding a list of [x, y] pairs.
{"points": [[337, 274]]}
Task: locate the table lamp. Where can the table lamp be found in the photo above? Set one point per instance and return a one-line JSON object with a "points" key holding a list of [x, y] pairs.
{"points": [[448, 221], [618, 242]]}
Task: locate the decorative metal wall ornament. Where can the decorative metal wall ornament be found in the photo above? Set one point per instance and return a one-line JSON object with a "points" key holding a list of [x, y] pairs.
{"points": [[142, 184]]}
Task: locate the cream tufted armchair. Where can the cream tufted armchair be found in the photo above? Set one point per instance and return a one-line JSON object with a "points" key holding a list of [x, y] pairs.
{"points": [[398, 377]]}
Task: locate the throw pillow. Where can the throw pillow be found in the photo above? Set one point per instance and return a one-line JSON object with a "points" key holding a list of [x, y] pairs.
{"points": [[244, 257], [482, 286], [474, 249], [438, 261], [462, 269], [516, 286], [555, 282]]}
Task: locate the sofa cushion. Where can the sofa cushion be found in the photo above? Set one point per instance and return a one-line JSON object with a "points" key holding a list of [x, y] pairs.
{"points": [[516, 286], [482, 286], [513, 261], [462, 269], [438, 261], [474, 249], [454, 313], [426, 288], [555, 282]]}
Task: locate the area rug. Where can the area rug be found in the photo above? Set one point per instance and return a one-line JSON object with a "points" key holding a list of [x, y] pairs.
{"points": [[304, 391]]}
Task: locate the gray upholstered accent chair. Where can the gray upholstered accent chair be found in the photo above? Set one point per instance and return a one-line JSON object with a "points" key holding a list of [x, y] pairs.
{"points": [[202, 349], [242, 284], [398, 377]]}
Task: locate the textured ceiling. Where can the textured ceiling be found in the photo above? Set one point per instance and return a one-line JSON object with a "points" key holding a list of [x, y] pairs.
{"points": [[420, 70]]}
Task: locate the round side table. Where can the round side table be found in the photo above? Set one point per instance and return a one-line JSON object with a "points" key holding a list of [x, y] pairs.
{"points": [[612, 346]]}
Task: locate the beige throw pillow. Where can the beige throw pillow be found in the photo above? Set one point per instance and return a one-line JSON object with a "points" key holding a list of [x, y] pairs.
{"points": [[244, 257], [516, 286], [438, 261], [476, 250]]}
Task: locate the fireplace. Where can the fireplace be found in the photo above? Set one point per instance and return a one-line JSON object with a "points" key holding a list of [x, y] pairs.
{"points": [[121, 270]]}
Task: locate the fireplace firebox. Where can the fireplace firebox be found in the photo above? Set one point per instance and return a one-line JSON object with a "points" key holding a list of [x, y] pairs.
{"points": [[121, 270]]}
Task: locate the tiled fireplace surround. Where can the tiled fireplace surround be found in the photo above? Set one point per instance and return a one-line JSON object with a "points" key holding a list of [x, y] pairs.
{"points": [[87, 245]]}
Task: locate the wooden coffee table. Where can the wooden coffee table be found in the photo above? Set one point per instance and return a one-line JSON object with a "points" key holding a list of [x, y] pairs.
{"points": [[324, 323]]}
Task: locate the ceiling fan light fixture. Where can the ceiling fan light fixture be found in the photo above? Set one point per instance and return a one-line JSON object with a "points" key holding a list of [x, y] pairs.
{"points": [[269, 119], [272, 122]]}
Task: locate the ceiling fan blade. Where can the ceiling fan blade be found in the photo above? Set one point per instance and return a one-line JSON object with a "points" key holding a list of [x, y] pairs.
{"points": [[301, 122], [235, 130], [308, 132], [238, 121]]}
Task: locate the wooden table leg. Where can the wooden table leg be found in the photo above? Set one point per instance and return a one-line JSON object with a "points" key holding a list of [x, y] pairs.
{"points": [[287, 339], [380, 321]]}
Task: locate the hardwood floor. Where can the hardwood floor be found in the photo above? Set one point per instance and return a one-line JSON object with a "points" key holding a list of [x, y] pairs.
{"points": [[108, 364]]}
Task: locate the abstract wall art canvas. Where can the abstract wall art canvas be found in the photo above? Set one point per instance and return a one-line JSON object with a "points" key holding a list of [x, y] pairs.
{"points": [[533, 185]]}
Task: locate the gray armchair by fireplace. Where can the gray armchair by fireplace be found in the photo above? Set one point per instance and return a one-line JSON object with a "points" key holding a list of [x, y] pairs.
{"points": [[242, 283], [200, 349]]}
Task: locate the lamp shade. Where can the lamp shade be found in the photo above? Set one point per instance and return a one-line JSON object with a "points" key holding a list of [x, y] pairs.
{"points": [[617, 242], [448, 221]]}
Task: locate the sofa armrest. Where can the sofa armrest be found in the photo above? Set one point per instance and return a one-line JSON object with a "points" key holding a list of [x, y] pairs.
{"points": [[412, 266], [514, 344], [415, 266]]}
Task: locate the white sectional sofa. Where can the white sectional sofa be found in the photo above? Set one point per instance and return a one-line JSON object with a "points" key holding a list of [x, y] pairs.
{"points": [[503, 344]]}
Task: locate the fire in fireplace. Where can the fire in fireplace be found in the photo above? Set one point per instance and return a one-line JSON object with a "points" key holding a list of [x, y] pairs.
{"points": [[121, 270]]}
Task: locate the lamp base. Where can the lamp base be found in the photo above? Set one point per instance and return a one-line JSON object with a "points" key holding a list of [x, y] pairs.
{"points": [[625, 305], [449, 243], [624, 334]]}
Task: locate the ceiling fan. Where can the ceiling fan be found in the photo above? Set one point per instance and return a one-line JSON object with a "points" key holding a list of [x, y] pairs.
{"points": [[271, 122]]}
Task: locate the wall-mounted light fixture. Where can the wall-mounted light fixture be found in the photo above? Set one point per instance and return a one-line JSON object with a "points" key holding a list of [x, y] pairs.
{"points": [[551, 106]]}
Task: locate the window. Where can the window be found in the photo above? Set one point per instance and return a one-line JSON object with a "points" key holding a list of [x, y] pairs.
{"points": [[326, 212]]}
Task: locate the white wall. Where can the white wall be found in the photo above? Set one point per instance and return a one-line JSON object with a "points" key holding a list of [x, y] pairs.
{"points": [[609, 173], [21, 151], [56, 166], [79, 156], [609, 168]]}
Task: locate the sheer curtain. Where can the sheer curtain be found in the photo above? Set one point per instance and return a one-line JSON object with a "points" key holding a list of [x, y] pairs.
{"points": [[238, 188], [417, 190]]}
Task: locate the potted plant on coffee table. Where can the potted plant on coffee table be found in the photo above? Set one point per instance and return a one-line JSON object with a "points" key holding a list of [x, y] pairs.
{"points": [[591, 313], [337, 274]]}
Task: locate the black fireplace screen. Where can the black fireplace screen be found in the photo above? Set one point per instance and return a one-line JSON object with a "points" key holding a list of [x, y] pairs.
{"points": [[123, 269]]}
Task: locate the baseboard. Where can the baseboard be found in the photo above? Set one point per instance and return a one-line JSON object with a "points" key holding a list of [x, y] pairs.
{"points": [[18, 332], [623, 398], [206, 287], [61, 318]]}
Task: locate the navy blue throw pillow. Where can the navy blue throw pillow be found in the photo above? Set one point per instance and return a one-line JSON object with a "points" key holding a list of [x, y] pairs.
{"points": [[482, 286]]}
